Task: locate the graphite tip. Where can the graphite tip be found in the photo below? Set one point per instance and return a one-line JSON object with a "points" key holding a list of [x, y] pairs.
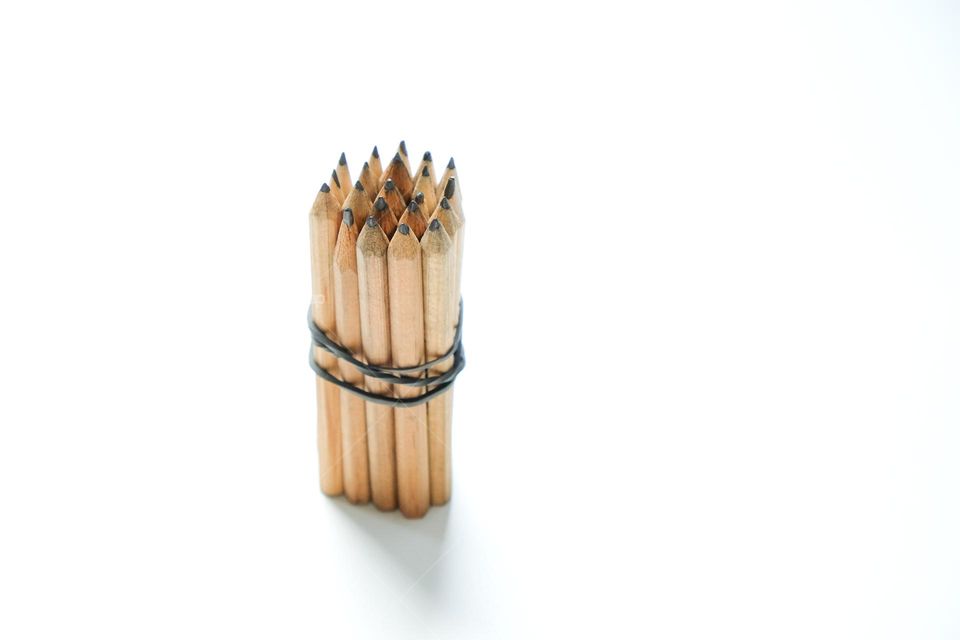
{"points": [[388, 185], [419, 197], [335, 179], [371, 221], [451, 187], [444, 203], [450, 164], [375, 153], [404, 229], [427, 157], [397, 158], [403, 147], [348, 217], [343, 159], [358, 186], [380, 204], [413, 206], [366, 165], [325, 188], [425, 172], [434, 224]]}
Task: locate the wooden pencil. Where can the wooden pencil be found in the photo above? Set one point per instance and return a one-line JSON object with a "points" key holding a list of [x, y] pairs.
{"points": [[324, 224], [413, 217], [388, 222], [406, 333], [366, 178], [376, 169], [359, 203], [394, 199], [424, 191], [451, 191], [449, 172], [438, 264], [400, 174], [343, 174], [335, 187], [427, 163], [372, 247], [353, 422]]}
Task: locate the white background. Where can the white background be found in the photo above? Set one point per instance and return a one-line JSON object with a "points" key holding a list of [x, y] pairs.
{"points": [[712, 305]]}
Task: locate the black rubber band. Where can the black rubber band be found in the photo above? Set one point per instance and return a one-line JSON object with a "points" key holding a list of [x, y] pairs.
{"points": [[393, 375]]}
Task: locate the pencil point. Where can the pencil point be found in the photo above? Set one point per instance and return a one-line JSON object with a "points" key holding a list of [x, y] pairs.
{"points": [[335, 179], [413, 206], [404, 229], [388, 185], [375, 153], [425, 172], [434, 224], [451, 187], [348, 217], [444, 203], [343, 159], [380, 204], [358, 186], [371, 221], [450, 164], [403, 147], [397, 158], [366, 165], [427, 157], [325, 188]]}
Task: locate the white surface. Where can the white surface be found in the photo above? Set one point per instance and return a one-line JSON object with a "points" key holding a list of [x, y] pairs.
{"points": [[726, 240]]}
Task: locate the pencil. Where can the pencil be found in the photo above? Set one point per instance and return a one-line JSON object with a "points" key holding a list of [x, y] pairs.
{"points": [[449, 172], [402, 150], [335, 187], [438, 263], [372, 247], [427, 163], [367, 180], [353, 423], [359, 203], [385, 217], [375, 168], [406, 332], [324, 222], [413, 218], [451, 191], [343, 174], [394, 199], [425, 191], [398, 172]]}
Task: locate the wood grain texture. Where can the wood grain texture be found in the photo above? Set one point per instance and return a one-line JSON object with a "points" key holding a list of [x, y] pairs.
{"points": [[406, 332], [353, 422], [324, 222], [438, 258], [373, 284]]}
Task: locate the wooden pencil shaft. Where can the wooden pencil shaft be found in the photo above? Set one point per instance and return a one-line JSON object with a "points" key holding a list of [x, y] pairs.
{"points": [[376, 169], [353, 423], [373, 286], [400, 174]]}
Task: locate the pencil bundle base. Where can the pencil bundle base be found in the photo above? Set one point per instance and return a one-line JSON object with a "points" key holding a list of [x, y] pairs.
{"points": [[386, 323]]}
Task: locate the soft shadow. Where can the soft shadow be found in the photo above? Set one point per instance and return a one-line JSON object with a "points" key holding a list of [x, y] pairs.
{"points": [[414, 546]]}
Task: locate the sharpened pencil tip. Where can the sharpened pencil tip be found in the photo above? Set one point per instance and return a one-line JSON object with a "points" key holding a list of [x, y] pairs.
{"points": [[427, 157], [358, 185], [434, 224], [397, 158], [325, 188], [413, 206], [335, 178], [366, 165], [348, 217], [404, 229], [343, 159], [451, 187], [403, 147], [425, 173], [450, 164], [419, 197], [388, 185], [371, 221], [444, 203], [380, 204], [375, 153]]}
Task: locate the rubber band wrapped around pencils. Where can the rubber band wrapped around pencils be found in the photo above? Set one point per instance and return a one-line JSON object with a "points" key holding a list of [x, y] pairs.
{"points": [[393, 375]]}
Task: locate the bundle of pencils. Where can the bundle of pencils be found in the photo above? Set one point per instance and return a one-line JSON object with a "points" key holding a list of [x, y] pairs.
{"points": [[386, 256]]}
